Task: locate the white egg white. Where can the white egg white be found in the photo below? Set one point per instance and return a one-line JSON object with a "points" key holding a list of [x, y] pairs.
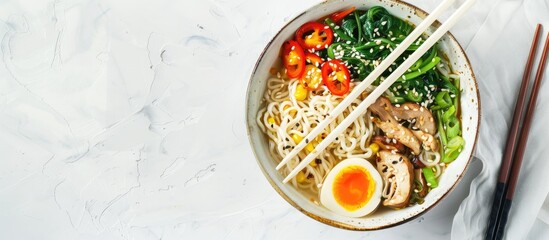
{"points": [[327, 195]]}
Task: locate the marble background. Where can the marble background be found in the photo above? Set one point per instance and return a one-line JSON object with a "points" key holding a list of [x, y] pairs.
{"points": [[125, 120]]}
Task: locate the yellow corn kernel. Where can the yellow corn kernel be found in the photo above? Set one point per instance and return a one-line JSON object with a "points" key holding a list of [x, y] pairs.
{"points": [[310, 147], [374, 147], [300, 177], [291, 112], [297, 139], [313, 163], [271, 120], [300, 93]]}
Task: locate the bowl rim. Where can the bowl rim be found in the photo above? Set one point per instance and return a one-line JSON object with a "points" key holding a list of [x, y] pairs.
{"points": [[417, 11]]}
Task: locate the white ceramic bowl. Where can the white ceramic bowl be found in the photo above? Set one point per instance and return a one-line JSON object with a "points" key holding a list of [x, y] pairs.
{"points": [[382, 218]]}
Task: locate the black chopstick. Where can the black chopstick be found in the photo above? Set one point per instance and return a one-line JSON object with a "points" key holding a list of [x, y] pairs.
{"points": [[496, 228]]}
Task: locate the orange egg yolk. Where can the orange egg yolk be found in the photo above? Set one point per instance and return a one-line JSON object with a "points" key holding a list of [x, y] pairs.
{"points": [[353, 187]]}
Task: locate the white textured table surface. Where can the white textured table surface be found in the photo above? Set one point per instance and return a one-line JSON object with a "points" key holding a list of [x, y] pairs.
{"points": [[125, 120]]}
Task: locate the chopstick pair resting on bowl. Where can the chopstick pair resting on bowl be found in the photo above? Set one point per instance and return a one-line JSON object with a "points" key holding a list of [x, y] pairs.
{"points": [[516, 143], [373, 96]]}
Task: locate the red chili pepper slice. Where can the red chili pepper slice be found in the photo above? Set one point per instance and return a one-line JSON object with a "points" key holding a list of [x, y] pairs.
{"points": [[293, 58], [313, 59], [314, 36], [336, 77], [338, 16]]}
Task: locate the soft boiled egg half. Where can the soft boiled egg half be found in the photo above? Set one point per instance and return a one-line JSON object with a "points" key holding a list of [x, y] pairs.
{"points": [[352, 188]]}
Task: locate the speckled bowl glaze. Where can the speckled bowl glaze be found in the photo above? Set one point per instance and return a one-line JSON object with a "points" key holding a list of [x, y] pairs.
{"points": [[382, 218]]}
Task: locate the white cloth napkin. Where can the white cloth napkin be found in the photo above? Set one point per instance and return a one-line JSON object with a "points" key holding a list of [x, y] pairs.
{"points": [[496, 35]]}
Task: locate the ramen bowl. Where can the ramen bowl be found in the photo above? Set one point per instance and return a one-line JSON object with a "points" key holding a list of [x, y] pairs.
{"points": [[383, 217]]}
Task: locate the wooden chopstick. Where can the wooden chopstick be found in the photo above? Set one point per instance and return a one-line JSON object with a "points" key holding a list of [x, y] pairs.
{"points": [[515, 169], [372, 97], [511, 141], [505, 190], [386, 63]]}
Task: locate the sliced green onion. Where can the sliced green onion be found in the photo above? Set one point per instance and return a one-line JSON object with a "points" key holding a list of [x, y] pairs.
{"points": [[456, 99], [421, 70], [456, 142], [453, 149], [443, 99], [443, 138], [430, 177], [417, 65], [450, 112], [453, 127]]}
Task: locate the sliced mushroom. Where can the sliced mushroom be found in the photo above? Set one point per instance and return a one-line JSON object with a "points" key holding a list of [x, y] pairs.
{"points": [[388, 144], [424, 120], [429, 142], [421, 190], [398, 176], [400, 133], [424, 125], [383, 108]]}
